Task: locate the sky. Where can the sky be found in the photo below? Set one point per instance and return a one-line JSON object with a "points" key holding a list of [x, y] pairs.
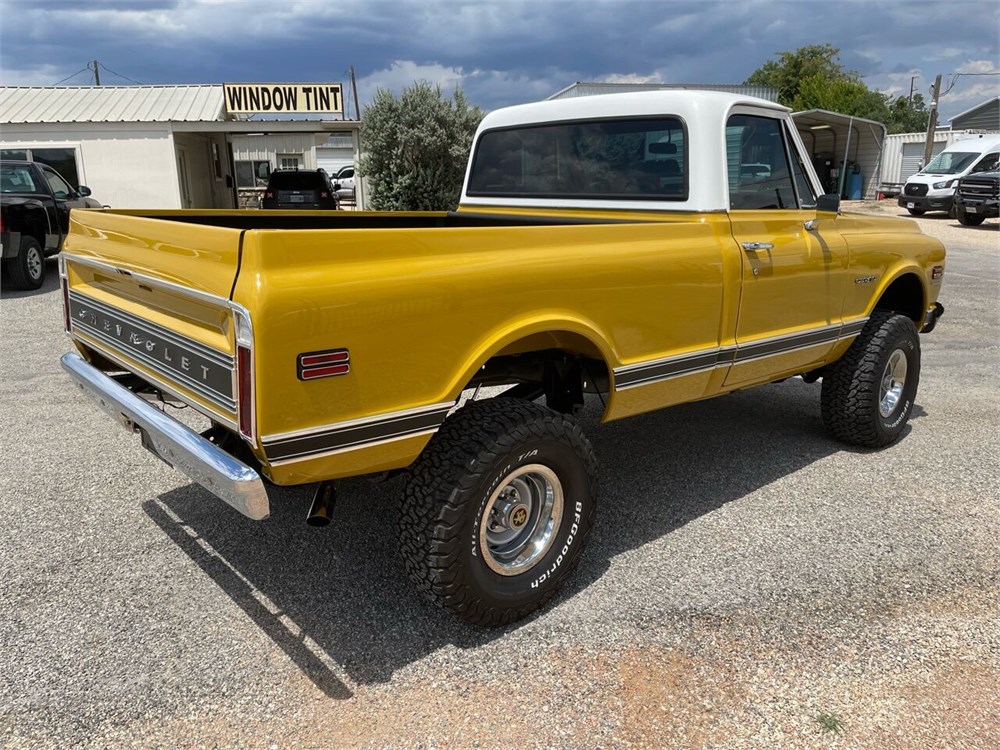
{"points": [[500, 52]]}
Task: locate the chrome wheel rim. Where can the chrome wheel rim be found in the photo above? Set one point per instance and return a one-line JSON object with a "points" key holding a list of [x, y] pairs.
{"points": [[893, 380], [521, 519], [34, 262]]}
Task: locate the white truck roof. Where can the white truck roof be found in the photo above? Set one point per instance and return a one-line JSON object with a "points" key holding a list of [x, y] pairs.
{"points": [[704, 114]]}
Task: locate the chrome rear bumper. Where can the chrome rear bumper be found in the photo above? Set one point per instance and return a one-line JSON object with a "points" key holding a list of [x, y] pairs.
{"points": [[176, 444]]}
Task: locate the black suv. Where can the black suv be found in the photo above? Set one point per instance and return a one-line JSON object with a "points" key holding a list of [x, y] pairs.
{"points": [[300, 188], [977, 198]]}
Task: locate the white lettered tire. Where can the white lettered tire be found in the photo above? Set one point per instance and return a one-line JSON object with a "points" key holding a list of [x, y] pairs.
{"points": [[497, 510]]}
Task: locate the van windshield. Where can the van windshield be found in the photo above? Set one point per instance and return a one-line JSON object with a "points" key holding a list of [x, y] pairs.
{"points": [[950, 162]]}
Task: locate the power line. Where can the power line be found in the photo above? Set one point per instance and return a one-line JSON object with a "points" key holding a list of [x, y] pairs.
{"points": [[84, 70], [119, 74]]}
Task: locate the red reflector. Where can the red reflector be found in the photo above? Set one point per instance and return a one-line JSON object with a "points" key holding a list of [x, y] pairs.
{"points": [[324, 364], [244, 366], [325, 372], [315, 360]]}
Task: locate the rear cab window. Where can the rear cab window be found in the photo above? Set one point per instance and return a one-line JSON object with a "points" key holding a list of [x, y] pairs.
{"points": [[642, 158]]}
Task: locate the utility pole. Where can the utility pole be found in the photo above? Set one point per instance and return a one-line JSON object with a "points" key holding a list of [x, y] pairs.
{"points": [[932, 121], [97, 74], [354, 88], [912, 79]]}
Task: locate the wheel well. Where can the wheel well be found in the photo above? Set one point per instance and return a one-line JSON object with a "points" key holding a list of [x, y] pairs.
{"points": [[905, 296], [560, 365], [31, 221]]}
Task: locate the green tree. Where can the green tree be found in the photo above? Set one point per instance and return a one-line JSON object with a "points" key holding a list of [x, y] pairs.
{"points": [[416, 148], [812, 77], [787, 73]]}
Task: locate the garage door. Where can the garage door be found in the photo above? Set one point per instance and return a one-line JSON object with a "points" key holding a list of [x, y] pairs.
{"points": [[332, 159], [913, 155]]}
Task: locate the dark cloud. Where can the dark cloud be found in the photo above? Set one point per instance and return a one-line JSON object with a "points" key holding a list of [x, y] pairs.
{"points": [[501, 52]]}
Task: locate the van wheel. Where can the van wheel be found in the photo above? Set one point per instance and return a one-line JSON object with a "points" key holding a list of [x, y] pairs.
{"points": [[868, 393], [916, 211], [970, 220], [497, 510], [27, 269]]}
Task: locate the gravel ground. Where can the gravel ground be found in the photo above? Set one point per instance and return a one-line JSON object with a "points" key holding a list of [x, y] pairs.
{"points": [[750, 583]]}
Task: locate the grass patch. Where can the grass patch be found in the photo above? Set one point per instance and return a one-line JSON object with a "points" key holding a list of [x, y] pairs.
{"points": [[829, 723]]}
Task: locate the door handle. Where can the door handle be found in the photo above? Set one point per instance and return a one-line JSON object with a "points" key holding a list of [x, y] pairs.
{"points": [[812, 225], [758, 246]]}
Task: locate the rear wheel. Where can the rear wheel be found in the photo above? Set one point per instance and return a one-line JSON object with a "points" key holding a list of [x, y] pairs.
{"points": [[497, 510], [970, 220], [27, 269], [868, 393]]}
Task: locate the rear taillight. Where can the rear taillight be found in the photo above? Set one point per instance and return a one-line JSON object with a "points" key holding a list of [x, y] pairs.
{"points": [[64, 286], [324, 194], [245, 405], [268, 194]]}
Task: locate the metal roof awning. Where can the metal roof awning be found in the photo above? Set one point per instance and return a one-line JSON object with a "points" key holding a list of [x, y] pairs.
{"points": [[64, 104]]}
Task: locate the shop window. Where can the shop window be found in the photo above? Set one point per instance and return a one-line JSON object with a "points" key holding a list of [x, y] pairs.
{"points": [[251, 174], [61, 159], [290, 161]]}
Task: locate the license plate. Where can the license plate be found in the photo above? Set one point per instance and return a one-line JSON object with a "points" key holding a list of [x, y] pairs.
{"points": [[970, 209], [911, 205], [298, 199]]}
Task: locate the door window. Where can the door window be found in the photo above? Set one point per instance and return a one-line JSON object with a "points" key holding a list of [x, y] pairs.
{"points": [[289, 161], [759, 175], [58, 186]]}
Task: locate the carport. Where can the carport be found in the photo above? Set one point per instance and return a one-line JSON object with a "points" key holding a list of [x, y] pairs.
{"points": [[833, 139]]}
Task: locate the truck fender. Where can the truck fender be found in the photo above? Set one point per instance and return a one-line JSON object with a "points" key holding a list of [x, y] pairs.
{"points": [[506, 335]]}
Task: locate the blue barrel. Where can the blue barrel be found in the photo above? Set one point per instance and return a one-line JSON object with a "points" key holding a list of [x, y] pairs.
{"points": [[855, 184]]}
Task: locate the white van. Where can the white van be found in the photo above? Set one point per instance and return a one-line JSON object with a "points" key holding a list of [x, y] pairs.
{"points": [[933, 187]]}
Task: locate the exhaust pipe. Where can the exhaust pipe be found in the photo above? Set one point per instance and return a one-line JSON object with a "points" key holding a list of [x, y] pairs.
{"points": [[322, 505]]}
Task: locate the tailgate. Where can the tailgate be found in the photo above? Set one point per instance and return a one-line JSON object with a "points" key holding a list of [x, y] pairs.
{"points": [[150, 294]]}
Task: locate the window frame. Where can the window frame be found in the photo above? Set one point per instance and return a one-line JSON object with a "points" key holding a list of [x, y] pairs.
{"points": [[590, 197]]}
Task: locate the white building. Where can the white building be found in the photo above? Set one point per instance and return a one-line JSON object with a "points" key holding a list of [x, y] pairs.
{"points": [[163, 146]]}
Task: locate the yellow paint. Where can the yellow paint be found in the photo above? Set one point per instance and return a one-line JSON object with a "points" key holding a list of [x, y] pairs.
{"points": [[421, 310]]}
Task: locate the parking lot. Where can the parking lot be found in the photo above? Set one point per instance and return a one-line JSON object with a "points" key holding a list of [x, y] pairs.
{"points": [[750, 582]]}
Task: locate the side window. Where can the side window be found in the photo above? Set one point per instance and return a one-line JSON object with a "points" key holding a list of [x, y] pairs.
{"points": [[759, 175], [988, 163], [57, 184], [807, 198]]}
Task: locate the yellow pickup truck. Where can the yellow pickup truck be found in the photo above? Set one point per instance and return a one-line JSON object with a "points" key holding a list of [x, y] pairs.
{"points": [[653, 248]]}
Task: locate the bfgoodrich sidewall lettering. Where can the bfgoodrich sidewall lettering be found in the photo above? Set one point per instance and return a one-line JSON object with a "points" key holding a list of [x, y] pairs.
{"points": [[570, 539]]}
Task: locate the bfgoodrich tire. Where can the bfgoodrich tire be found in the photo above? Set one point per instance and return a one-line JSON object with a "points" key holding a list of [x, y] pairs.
{"points": [[27, 269], [497, 510], [868, 393]]}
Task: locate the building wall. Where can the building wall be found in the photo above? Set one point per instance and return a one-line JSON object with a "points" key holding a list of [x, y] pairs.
{"points": [[209, 186], [986, 117], [269, 147], [126, 165]]}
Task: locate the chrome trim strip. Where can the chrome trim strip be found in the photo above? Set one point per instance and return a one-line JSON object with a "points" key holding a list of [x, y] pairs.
{"points": [[212, 299], [355, 434], [310, 431], [222, 419], [337, 451], [667, 368], [202, 461]]}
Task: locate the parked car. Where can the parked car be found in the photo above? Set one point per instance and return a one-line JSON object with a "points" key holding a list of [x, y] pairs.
{"points": [[35, 202], [977, 198], [933, 187], [300, 188], [343, 182]]}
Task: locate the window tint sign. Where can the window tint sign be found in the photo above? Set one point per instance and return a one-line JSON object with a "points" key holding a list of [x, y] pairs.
{"points": [[283, 98]]}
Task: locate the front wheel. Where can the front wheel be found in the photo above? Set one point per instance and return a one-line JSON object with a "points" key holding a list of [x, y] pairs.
{"points": [[868, 393], [970, 220], [916, 211], [497, 510]]}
